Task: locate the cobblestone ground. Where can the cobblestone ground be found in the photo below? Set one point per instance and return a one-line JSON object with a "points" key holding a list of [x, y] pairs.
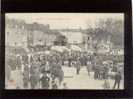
{"points": [[83, 81], [73, 81]]}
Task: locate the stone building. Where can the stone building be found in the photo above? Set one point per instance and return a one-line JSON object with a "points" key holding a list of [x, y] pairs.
{"points": [[15, 33], [41, 35], [19, 33]]}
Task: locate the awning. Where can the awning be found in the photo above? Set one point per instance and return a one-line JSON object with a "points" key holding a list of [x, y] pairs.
{"points": [[75, 48], [59, 48]]}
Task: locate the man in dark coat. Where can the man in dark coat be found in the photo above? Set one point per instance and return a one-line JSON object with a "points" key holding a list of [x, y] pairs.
{"points": [[96, 71], [34, 75], [33, 81], [105, 72], [26, 76], [44, 80], [42, 67], [57, 71], [78, 66], [117, 79]]}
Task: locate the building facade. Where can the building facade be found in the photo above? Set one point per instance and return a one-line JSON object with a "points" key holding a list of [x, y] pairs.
{"points": [[15, 33], [20, 34]]}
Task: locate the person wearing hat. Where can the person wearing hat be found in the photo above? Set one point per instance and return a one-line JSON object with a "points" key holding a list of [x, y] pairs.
{"points": [[34, 74], [117, 79]]}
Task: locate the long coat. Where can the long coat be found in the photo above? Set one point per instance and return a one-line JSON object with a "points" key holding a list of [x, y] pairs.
{"points": [[78, 65], [58, 72]]}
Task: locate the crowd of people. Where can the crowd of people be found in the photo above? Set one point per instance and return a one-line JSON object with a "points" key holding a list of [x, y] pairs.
{"points": [[45, 71]]}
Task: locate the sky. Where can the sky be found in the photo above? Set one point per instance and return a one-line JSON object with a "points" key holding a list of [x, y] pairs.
{"points": [[65, 20]]}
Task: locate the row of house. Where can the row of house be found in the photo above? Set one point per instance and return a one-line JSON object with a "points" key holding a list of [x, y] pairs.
{"points": [[20, 34]]}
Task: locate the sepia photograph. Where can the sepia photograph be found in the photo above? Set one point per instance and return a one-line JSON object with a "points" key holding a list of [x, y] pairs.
{"points": [[64, 51]]}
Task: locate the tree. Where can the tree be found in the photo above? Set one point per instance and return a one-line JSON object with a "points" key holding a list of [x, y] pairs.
{"points": [[111, 27]]}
